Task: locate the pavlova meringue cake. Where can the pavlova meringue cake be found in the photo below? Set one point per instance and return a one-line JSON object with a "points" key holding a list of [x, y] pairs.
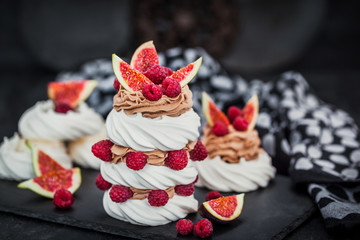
{"points": [[146, 173], [236, 162]]}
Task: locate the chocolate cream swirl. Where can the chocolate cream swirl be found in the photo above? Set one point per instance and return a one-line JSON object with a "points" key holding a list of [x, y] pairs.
{"points": [[233, 146], [144, 193], [135, 102]]}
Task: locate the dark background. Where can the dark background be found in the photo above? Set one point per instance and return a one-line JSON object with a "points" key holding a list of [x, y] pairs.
{"points": [[257, 39]]}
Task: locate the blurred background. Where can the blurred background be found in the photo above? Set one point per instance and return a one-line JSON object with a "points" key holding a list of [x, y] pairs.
{"points": [[253, 38]]}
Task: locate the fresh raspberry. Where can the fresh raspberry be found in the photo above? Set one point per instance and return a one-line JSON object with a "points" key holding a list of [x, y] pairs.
{"points": [[184, 226], [203, 228], [119, 193], [220, 129], [158, 198], [199, 152], [62, 108], [101, 183], [212, 195], [158, 73], [102, 150], [136, 160], [116, 84], [233, 112], [171, 87], [63, 199], [152, 92], [240, 123], [185, 190], [177, 159]]}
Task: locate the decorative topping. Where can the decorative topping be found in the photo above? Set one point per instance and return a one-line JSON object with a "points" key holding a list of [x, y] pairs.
{"points": [[233, 112], [144, 57], [101, 183], [120, 194], [240, 124], [136, 161], [62, 108], [211, 112], [144, 193], [158, 198], [251, 111], [223, 209], [116, 84], [63, 199], [70, 93], [186, 74], [129, 78], [102, 150], [158, 73], [185, 190], [184, 226], [203, 228], [212, 195], [177, 159], [199, 152], [171, 87], [152, 92], [220, 129]]}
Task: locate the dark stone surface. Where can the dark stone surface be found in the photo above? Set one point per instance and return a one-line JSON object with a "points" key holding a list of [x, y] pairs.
{"points": [[271, 212]]}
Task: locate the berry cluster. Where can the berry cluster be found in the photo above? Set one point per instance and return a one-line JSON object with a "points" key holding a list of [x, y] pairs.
{"points": [[102, 150], [202, 229], [63, 199], [236, 117], [199, 152]]}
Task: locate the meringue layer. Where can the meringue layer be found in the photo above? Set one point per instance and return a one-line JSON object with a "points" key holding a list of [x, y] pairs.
{"points": [[145, 134], [140, 212], [42, 122], [150, 177], [243, 176]]}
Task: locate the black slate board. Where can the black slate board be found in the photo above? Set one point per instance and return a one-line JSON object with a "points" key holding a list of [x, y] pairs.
{"points": [[272, 212]]}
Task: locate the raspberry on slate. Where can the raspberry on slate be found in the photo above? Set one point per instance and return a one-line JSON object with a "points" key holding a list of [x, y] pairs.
{"points": [[62, 108], [240, 123], [185, 190], [152, 92], [158, 198], [136, 160], [203, 228], [212, 195], [116, 84], [101, 183], [220, 129], [171, 87], [119, 193], [63, 199], [233, 112], [158, 73], [177, 159], [184, 226], [199, 152], [102, 150]]}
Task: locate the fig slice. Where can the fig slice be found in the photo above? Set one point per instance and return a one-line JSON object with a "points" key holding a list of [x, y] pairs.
{"points": [[211, 112], [186, 74], [251, 111], [145, 57]]}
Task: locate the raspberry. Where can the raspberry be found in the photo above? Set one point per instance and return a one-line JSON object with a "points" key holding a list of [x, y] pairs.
{"points": [[196, 179], [101, 183], [233, 112], [177, 159], [63, 199], [158, 73], [158, 198], [185, 190], [203, 228], [119, 193], [220, 129], [116, 84], [102, 150], [152, 92], [199, 152], [136, 160], [184, 226], [212, 195], [62, 108], [171, 87], [240, 124]]}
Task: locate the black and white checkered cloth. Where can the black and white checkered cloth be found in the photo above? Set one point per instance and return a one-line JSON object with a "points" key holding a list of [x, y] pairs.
{"points": [[314, 142]]}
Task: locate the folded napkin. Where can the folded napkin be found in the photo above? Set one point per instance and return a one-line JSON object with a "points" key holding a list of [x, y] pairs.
{"points": [[314, 142]]}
